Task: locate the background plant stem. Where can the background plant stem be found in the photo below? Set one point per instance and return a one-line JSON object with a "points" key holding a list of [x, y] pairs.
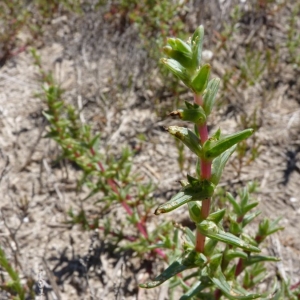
{"points": [[140, 226]]}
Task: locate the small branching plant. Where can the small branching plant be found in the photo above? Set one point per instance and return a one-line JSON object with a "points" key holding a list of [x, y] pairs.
{"points": [[221, 260], [109, 178]]}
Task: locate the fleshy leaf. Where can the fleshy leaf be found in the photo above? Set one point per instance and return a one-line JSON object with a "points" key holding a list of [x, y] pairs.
{"points": [[179, 265], [266, 228], [196, 192], [195, 211], [49, 117], [235, 227], [210, 94], [249, 218], [248, 207], [219, 163], [192, 180], [195, 114], [253, 259], [231, 292], [209, 247], [185, 59], [236, 206], [175, 268], [193, 291], [210, 229], [214, 263], [189, 105], [199, 82], [273, 227], [94, 143], [177, 69], [187, 137], [213, 149], [234, 253], [217, 216], [197, 43], [180, 45], [190, 235]]}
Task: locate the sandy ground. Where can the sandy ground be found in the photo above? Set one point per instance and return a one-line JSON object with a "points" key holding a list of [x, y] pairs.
{"points": [[35, 195]]}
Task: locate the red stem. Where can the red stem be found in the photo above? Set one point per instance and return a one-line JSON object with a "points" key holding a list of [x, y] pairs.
{"points": [[198, 99], [295, 286], [205, 174], [132, 239], [239, 268], [114, 186], [203, 132], [240, 265], [129, 238], [160, 253], [218, 294]]}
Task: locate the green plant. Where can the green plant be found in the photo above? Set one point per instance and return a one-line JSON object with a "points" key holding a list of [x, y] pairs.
{"points": [[108, 177], [181, 155], [14, 286], [155, 19], [221, 259], [27, 16], [293, 37], [247, 151], [252, 67]]}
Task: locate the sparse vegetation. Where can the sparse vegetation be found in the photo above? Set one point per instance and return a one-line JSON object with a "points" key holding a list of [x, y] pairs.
{"points": [[110, 188]]}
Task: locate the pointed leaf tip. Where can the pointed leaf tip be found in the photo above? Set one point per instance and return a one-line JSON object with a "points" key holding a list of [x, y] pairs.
{"points": [[210, 94], [197, 44], [197, 190], [187, 137], [177, 69], [213, 148], [199, 83]]}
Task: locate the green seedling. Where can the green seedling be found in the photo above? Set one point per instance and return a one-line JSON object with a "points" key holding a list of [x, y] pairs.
{"points": [[14, 286]]}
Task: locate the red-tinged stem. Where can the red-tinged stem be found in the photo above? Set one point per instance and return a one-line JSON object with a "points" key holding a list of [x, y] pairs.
{"points": [[205, 174], [203, 132], [198, 99], [200, 242], [239, 268], [18, 51], [160, 253], [129, 238], [142, 229], [295, 286], [114, 186], [240, 219], [140, 226], [205, 169], [240, 265], [218, 294], [259, 238], [132, 239], [127, 208]]}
